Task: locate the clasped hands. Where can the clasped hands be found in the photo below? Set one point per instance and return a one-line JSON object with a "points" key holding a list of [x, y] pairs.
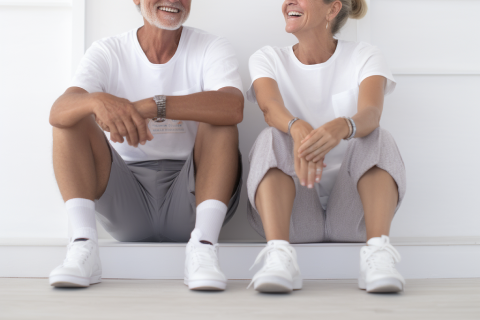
{"points": [[312, 145], [121, 118]]}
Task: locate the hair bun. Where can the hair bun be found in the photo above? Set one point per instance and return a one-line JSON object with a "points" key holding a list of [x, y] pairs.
{"points": [[359, 9]]}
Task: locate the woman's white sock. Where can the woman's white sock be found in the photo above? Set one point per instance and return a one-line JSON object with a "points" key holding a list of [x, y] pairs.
{"points": [[81, 216], [210, 217]]}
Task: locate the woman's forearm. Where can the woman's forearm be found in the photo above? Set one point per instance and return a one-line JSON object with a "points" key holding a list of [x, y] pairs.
{"points": [[366, 121], [276, 115], [370, 105]]}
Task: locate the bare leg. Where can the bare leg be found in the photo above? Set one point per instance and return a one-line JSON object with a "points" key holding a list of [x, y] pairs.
{"points": [[216, 162], [274, 201], [379, 194], [81, 160]]}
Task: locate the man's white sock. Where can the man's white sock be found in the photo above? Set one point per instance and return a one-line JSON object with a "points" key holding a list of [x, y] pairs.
{"points": [[210, 217], [81, 215]]}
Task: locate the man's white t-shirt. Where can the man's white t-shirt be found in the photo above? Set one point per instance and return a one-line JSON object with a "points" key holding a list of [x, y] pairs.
{"points": [[322, 92], [118, 66]]}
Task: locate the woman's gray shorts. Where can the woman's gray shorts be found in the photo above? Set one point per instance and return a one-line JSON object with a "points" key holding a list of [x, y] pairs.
{"points": [[153, 201], [343, 219]]}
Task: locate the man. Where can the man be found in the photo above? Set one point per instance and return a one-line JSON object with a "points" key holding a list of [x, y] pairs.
{"points": [[161, 178]]}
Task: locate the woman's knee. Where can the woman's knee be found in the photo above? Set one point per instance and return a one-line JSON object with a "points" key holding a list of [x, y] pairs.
{"points": [[270, 139]]}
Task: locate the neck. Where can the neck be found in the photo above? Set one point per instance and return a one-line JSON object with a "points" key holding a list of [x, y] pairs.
{"points": [[314, 47], [158, 44]]}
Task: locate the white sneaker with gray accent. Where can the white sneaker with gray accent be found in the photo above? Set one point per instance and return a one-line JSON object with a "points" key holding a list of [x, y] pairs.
{"points": [[377, 267], [81, 267], [280, 272], [202, 271]]}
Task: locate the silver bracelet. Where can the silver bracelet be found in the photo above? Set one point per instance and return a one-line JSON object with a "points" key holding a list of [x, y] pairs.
{"points": [[161, 102], [354, 131], [290, 125]]}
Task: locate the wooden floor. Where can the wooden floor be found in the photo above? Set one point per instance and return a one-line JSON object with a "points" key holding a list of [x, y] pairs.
{"points": [[457, 299]]}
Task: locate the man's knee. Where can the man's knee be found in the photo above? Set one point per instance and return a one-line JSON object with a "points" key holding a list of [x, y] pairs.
{"points": [[84, 127], [224, 134]]}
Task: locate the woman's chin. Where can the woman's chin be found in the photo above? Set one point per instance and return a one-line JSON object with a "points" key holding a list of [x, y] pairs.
{"points": [[290, 29]]}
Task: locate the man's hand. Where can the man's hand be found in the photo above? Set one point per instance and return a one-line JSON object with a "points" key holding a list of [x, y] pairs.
{"points": [[120, 117], [308, 172], [316, 144]]}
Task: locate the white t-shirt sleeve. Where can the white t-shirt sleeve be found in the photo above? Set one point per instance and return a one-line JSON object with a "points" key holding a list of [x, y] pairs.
{"points": [[93, 70], [371, 62], [220, 67], [261, 66]]}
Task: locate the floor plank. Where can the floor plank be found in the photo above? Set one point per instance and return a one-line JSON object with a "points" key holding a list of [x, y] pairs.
{"points": [[22, 298]]}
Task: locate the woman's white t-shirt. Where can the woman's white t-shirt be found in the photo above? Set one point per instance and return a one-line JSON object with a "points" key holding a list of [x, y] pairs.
{"points": [[322, 92], [118, 65]]}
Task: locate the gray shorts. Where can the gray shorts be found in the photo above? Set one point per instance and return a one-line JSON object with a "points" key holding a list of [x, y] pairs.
{"points": [[153, 201], [343, 220]]}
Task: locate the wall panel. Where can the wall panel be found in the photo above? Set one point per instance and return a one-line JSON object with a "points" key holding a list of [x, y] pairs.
{"points": [[425, 36]]}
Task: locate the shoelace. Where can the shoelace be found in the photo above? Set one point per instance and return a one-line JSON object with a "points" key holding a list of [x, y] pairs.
{"points": [[274, 262], [385, 257], [203, 256], [76, 253]]}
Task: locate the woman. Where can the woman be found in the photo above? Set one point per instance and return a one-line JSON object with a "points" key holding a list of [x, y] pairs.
{"points": [[324, 171]]}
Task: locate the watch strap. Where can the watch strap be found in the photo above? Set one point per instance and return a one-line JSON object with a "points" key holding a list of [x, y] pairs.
{"points": [[161, 102]]}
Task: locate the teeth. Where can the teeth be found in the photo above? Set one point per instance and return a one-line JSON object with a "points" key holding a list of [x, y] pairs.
{"points": [[294, 13], [169, 9]]}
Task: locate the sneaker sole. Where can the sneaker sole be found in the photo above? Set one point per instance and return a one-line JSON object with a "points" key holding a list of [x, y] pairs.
{"points": [[381, 285], [277, 284], [206, 285], [68, 281]]}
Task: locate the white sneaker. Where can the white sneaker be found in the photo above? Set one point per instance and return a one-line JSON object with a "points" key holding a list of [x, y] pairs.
{"points": [[280, 272], [80, 268], [377, 267], [202, 271]]}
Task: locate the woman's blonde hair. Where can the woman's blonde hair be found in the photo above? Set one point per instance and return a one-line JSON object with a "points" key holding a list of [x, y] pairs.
{"points": [[354, 9]]}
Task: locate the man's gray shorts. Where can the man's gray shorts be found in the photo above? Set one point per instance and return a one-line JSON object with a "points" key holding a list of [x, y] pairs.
{"points": [[153, 201]]}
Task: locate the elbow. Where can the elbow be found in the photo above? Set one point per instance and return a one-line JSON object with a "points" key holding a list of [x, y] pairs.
{"points": [[55, 120], [377, 115], [238, 113]]}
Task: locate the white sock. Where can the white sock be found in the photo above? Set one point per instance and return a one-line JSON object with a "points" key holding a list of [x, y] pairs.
{"points": [[81, 215], [210, 217]]}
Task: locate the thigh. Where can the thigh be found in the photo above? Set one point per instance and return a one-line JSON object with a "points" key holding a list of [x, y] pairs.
{"points": [[178, 211], [125, 208]]}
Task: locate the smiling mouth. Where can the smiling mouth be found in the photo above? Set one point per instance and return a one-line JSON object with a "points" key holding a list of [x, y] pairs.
{"points": [[169, 9], [294, 14]]}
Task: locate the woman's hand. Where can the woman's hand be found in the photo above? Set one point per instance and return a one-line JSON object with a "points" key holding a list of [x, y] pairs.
{"points": [[319, 142], [308, 172]]}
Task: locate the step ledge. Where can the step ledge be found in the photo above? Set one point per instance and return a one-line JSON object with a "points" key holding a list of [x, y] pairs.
{"points": [[400, 241]]}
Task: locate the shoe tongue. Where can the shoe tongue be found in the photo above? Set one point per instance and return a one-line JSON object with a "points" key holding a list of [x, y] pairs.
{"points": [[377, 241]]}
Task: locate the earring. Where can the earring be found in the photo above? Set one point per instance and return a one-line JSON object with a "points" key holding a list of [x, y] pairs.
{"points": [[327, 25]]}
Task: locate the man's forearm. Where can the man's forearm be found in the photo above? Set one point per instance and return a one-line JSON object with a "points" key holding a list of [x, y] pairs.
{"points": [[70, 108], [213, 107]]}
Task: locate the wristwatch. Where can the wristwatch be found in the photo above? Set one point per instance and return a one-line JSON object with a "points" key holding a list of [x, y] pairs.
{"points": [[161, 102]]}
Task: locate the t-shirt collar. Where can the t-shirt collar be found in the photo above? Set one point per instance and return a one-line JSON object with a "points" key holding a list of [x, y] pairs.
{"points": [[318, 65], [144, 58]]}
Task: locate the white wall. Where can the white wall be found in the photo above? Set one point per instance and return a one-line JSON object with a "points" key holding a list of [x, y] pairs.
{"points": [[433, 113]]}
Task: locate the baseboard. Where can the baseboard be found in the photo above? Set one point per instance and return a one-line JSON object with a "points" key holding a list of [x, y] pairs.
{"points": [[421, 258]]}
